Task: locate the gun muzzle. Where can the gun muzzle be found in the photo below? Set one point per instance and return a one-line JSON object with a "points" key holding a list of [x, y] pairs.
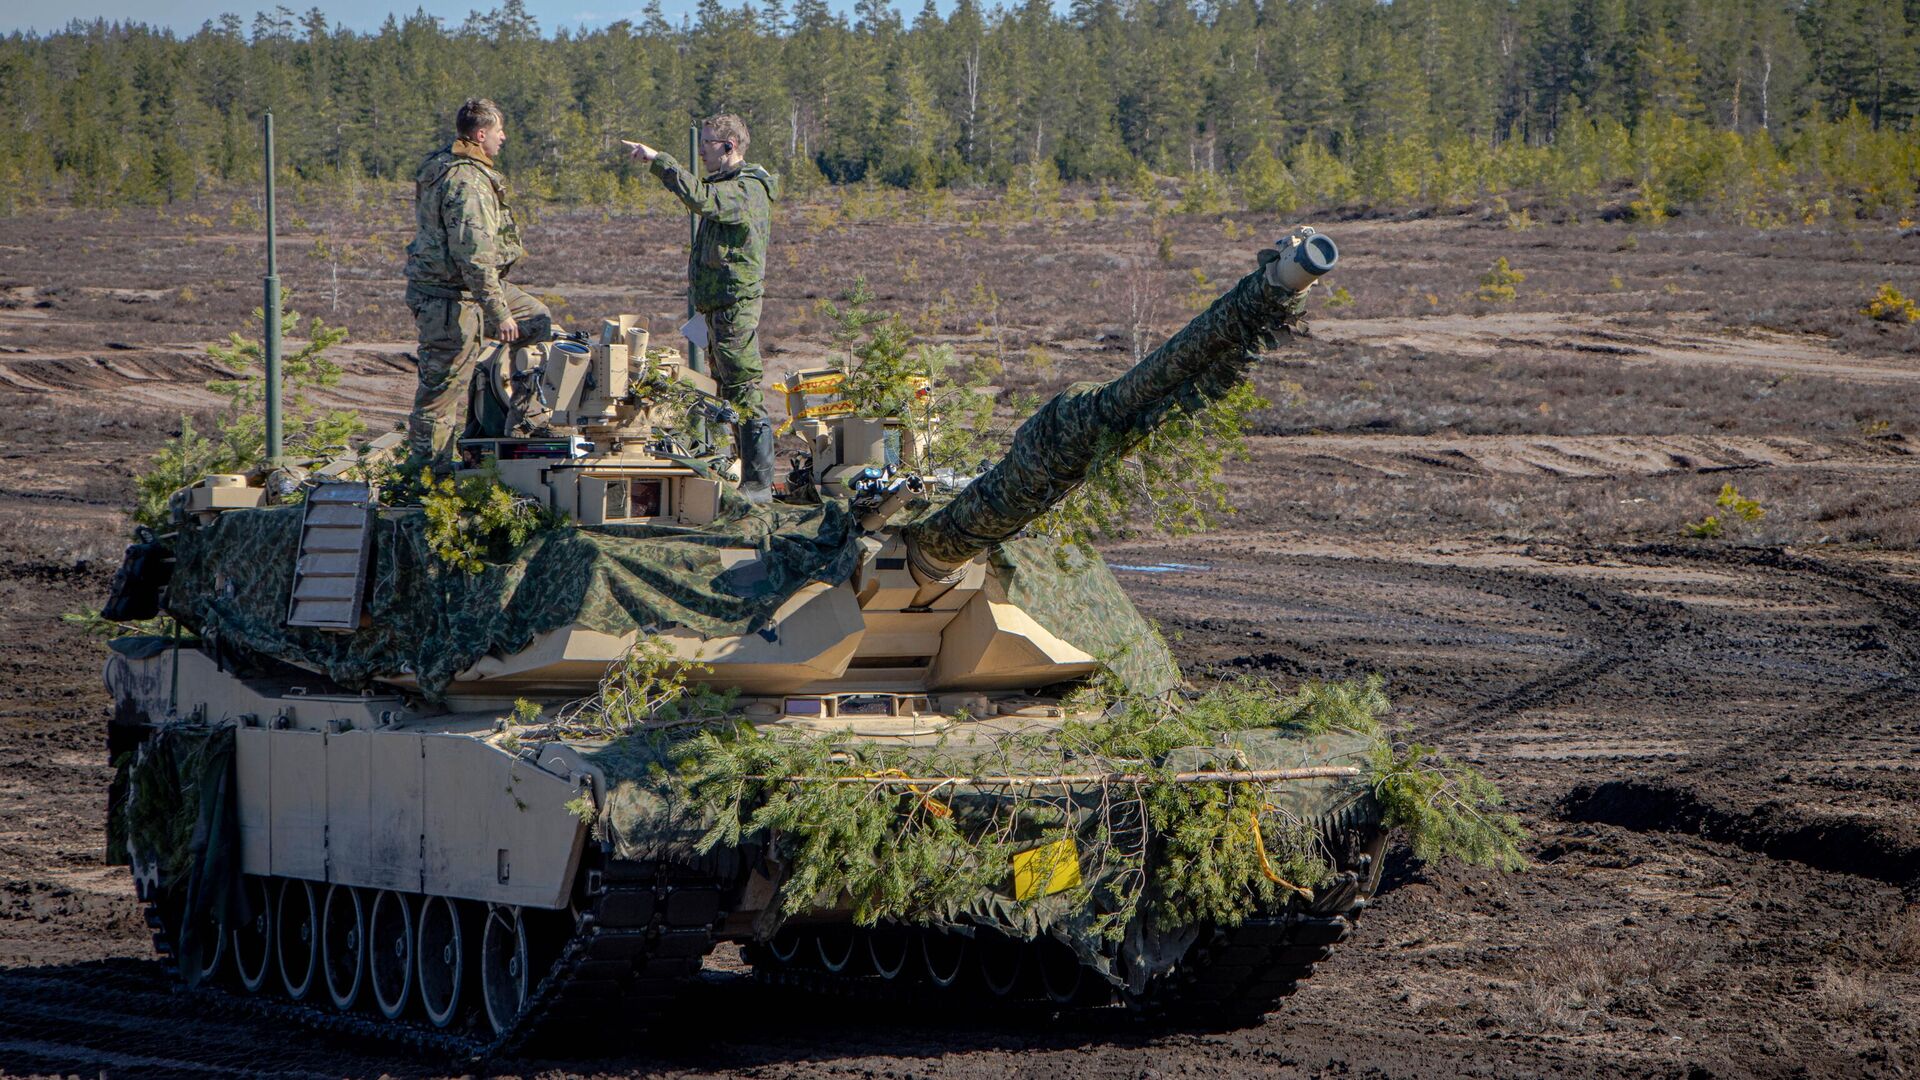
{"points": [[1298, 261]]}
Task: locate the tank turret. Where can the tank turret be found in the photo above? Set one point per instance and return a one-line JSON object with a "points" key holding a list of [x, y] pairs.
{"points": [[1053, 451]]}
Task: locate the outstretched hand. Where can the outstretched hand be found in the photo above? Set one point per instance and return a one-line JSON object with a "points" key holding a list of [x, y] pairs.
{"points": [[640, 151]]}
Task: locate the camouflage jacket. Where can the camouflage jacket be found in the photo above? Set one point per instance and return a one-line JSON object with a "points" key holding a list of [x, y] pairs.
{"points": [[465, 238], [729, 259]]}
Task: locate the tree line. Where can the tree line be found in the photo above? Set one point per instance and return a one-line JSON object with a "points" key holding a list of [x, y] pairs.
{"points": [[1767, 107]]}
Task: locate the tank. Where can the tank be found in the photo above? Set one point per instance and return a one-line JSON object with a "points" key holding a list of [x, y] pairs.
{"points": [[377, 787]]}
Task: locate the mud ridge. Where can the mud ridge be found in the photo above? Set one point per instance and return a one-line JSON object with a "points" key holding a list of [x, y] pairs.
{"points": [[1837, 845]]}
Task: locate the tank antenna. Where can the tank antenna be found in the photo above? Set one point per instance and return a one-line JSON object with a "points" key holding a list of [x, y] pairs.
{"points": [[695, 360], [270, 307]]}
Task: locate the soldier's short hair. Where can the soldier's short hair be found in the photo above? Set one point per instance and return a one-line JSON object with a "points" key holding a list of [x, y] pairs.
{"points": [[476, 116], [729, 127]]}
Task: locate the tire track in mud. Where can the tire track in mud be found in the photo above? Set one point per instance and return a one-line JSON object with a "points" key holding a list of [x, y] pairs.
{"points": [[1609, 624], [1727, 798], [1728, 790], [1894, 604], [1834, 845], [129, 1015]]}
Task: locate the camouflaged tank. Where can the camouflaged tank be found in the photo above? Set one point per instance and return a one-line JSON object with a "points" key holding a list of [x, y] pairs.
{"points": [[330, 800]]}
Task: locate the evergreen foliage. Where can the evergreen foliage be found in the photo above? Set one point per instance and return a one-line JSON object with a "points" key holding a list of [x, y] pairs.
{"points": [[1733, 507], [955, 412], [919, 846], [1761, 109], [1172, 480], [238, 441], [1891, 305], [474, 519], [1497, 284]]}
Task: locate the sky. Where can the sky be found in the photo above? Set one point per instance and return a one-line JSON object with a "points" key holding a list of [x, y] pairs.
{"points": [[185, 16]]}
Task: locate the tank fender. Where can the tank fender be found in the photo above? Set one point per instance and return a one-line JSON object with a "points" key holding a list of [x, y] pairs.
{"points": [[566, 763]]}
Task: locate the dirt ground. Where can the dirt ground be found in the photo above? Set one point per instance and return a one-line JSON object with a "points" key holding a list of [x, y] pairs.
{"points": [[1716, 742]]}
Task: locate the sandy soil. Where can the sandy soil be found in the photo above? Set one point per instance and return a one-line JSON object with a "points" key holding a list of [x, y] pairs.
{"points": [[1715, 743]]}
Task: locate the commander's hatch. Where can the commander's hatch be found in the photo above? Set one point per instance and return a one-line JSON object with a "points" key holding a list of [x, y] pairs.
{"points": [[336, 542]]}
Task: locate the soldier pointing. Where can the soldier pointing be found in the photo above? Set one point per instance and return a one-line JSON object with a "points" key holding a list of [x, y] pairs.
{"points": [[725, 274], [464, 245]]}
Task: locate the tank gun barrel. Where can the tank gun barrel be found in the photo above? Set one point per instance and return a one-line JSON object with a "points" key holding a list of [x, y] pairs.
{"points": [[1056, 447]]}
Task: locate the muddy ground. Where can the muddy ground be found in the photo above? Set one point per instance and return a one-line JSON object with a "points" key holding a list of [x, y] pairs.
{"points": [[1716, 742]]}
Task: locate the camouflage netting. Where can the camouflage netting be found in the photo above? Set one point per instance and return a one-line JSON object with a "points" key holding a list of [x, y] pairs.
{"points": [[1057, 446], [232, 580], [425, 618], [1078, 599], [648, 813], [178, 821]]}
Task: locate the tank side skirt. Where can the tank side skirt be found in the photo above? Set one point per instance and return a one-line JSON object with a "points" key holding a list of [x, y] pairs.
{"points": [[644, 932]]}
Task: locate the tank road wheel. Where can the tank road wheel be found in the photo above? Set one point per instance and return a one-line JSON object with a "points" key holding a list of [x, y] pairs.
{"points": [[253, 934], [1061, 974], [1001, 959], [784, 945], [343, 936], [503, 966], [835, 945], [888, 950], [945, 957], [443, 959], [296, 939], [390, 957]]}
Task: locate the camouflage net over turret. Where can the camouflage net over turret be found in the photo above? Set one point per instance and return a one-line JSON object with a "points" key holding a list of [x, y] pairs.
{"points": [[1055, 449]]}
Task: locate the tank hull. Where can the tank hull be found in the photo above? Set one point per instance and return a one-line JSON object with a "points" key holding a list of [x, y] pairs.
{"points": [[423, 832]]}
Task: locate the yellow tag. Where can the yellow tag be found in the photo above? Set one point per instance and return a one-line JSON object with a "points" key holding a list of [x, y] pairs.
{"points": [[1046, 870]]}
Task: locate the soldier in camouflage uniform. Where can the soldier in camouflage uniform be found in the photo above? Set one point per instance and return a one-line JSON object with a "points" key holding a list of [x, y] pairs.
{"points": [[726, 272], [465, 244]]}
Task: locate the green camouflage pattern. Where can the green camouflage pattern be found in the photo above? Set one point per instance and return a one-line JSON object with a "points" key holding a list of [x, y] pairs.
{"points": [[452, 341], [734, 346], [1079, 600], [729, 259], [232, 579], [177, 818], [465, 239], [1057, 446]]}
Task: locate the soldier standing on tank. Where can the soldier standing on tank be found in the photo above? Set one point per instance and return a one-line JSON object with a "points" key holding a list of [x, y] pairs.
{"points": [[725, 274], [464, 245]]}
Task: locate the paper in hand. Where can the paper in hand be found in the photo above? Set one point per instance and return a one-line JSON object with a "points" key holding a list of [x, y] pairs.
{"points": [[695, 331]]}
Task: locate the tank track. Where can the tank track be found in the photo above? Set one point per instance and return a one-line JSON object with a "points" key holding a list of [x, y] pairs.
{"points": [[1230, 977], [642, 931]]}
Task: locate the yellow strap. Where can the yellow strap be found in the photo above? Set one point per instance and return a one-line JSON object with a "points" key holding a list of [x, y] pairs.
{"points": [[816, 385], [934, 806], [831, 408], [1260, 845]]}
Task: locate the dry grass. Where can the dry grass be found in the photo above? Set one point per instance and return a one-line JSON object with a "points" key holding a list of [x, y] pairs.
{"points": [[1596, 978], [1903, 942], [1069, 290], [1863, 1002]]}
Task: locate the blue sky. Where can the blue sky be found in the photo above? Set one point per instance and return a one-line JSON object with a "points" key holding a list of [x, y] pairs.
{"points": [[185, 16]]}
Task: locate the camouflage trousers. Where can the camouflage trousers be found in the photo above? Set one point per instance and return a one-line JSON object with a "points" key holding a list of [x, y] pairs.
{"points": [[452, 338], [733, 334]]}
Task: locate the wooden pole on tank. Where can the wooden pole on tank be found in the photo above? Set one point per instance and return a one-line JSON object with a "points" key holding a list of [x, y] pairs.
{"points": [[270, 307]]}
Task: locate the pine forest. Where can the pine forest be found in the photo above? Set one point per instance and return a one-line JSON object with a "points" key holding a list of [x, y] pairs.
{"points": [[1761, 111]]}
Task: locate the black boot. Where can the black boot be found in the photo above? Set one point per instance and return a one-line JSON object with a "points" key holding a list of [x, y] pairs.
{"points": [[756, 460]]}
